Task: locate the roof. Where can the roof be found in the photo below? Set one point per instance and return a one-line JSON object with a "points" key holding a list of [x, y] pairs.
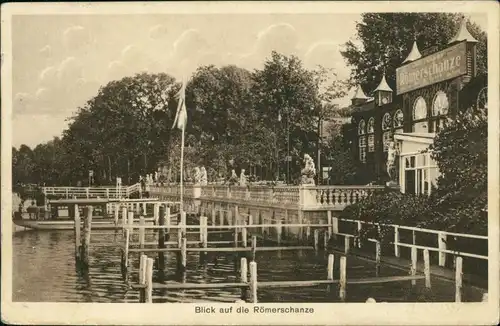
{"points": [[359, 94], [383, 86], [414, 53], [463, 34]]}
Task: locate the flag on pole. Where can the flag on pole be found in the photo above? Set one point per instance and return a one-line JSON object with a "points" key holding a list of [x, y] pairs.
{"points": [[181, 114]]}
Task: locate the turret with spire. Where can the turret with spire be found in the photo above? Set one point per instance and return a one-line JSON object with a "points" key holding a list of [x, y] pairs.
{"points": [[463, 35], [359, 97], [383, 92], [414, 53]]}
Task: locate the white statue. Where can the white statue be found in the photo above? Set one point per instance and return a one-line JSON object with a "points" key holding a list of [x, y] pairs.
{"points": [[203, 177], [243, 178], [197, 176], [391, 160], [156, 176], [309, 171]]}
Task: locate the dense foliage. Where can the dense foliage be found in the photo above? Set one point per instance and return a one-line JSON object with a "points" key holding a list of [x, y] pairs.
{"points": [[385, 47]]}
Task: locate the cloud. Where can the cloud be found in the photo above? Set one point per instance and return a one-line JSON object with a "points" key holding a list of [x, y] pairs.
{"points": [[189, 44], [47, 76], [22, 104], [77, 38], [280, 37], [69, 70], [158, 32], [45, 52], [326, 54]]}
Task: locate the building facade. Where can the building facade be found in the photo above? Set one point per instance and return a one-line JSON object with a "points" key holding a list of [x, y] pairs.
{"points": [[400, 124]]}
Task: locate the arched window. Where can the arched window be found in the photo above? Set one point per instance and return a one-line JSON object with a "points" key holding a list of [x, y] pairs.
{"points": [[386, 131], [419, 115], [361, 127], [371, 135], [440, 104], [362, 141], [440, 107], [398, 119]]}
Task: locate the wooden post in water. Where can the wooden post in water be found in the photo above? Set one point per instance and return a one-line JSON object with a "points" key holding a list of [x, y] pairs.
{"points": [[166, 219], [161, 235], [87, 229], [149, 280], [125, 250], [235, 233], [130, 221], [335, 227], [116, 213], [442, 246], [183, 223], [427, 269], [308, 233], [253, 281], [329, 276], [413, 270], [243, 277], [141, 232], [316, 239], [213, 214], [278, 232], [244, 236], [458, 279], [347, 242], [378, 254], [142, 277], [343, 278], [330, 224], [77, 233], [183, 255], [254, 247], [156, 213], [221, 217], [124, 217]]}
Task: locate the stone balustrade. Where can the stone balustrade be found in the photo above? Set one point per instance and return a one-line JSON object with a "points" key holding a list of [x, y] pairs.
{"points": [[301, 197]]}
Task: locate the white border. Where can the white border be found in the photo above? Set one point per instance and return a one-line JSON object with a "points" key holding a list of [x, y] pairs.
{"points": [[177, 314]]}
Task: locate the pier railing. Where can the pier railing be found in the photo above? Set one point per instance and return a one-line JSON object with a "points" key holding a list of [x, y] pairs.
{"points": [[303, 197], [92, 192]]}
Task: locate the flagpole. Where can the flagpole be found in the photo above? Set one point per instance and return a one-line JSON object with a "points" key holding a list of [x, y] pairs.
{"points": [[182, 179]]}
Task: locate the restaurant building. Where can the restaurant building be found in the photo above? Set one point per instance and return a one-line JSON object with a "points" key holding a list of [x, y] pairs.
{"points": [[430, 89]]}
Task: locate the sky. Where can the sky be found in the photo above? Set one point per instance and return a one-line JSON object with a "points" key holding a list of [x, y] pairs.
{"points": [[60, 61]]}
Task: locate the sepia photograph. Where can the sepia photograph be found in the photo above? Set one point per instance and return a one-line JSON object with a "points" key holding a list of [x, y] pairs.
{"points": [[270, 164]]}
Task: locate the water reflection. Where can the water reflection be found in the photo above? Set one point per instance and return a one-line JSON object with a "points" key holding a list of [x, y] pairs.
{"points": [[44, 269]]}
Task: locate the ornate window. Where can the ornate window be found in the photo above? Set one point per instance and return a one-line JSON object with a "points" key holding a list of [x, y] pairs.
{"points": [[419, 173], [361, 127], [362, 140], [419, 114], [371, 136], [398, 119], [440, 104], [386, 131]]}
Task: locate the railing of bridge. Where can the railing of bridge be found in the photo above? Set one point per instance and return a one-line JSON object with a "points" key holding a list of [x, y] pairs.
{"points": [[92, 192], [306, 197]]}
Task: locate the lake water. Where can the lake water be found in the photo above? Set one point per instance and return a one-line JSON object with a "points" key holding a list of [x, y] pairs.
{"points": [[44, 271]]}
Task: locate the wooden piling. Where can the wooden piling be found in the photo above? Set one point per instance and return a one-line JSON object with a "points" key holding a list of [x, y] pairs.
{"points": [[254, 247], [347, 242], [378, 254], [413, 270], [458, 279], [87, 229], [213, 215], [161, 236], [442, 247], [329, 267], [330, 224], [130, 220], [183, 223], [141, 232], [316, 239], [244, 236], [156, 213], [308, 233], [142, 277], [149, 280], [126, 248], [343, 278], [278, 232], [116, 213], [427, 269], [335, 226], [396, 241], [325, 240], [124, 217], [77, 233], [205, 231], [235, 234], [183, 254], [253, 281], [243, 277]]}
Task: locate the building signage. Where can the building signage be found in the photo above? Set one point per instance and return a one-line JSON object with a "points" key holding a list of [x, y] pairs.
{"points": [[437, 67]]}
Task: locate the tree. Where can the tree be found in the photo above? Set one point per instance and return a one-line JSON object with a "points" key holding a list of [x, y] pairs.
{"points": [[387, 39], [124, 130]]}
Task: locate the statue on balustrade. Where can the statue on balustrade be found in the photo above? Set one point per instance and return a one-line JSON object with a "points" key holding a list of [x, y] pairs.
{"points": [[234, 178], [203, 176], [391, 164], [197, 176], [308, 172], [243, 178], [156, 176]]}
